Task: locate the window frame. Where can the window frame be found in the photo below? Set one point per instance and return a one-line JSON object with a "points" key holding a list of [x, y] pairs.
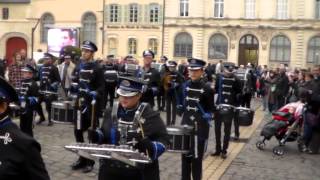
{"points": [[91, 26], [132, 46], [133, 13], [154, 13], [184, 8], [114, 13], [44, 26], [314, 49], [218, 9], [250, 9], [282, 48], [282, 9], [212, 46], [183, 50]]}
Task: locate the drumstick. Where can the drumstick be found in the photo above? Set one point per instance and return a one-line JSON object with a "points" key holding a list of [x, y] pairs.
{"points": [[93, 122]]}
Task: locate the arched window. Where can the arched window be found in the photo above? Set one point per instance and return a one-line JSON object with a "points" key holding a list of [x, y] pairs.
{"points": [[218, 47], [183, 45], [47, 20], [153, 45], [280, 49], [314, 50], [184, 7], [132, 46], [89, 26], [112, 46]]}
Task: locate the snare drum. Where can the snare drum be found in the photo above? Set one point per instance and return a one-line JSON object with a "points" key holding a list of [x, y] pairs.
{"points": [[225, 112], [14, 110], [180, 138], [63, 112], [244, 116]]}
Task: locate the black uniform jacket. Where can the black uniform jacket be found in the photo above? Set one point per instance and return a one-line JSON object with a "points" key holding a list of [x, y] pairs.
{"points": [[20, 157]]}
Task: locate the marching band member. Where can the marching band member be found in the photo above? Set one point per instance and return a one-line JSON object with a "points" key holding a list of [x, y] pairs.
{"points": [[20, 155], [29, 93], [131, 123], [152, 76], [89, 76], [111, 78], [49, 82], [171, 82], [197, 107]]}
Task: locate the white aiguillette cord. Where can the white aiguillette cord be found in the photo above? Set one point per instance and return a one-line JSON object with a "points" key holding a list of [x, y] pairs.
{"points": [[6, 138]]}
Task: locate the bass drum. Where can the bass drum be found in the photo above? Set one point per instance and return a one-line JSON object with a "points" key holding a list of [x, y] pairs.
{"points": [[244, 116]]}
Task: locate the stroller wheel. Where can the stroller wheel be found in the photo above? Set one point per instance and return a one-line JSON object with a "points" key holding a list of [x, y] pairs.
{"points": [[261, 145], [278, 150]]}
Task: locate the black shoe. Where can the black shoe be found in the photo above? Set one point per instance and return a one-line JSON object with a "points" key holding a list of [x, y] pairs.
{"points": [[224, 155], [40, 121], [87, 169], [50, 123], [235, 138], [217, 153], [78, 165]]}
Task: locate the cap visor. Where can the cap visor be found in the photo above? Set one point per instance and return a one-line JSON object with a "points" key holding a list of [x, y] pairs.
{"points": [[194, 67], [125, 93]]}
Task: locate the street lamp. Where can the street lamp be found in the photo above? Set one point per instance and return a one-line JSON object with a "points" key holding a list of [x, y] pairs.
{"points": [[32, 33], [103, 24]]}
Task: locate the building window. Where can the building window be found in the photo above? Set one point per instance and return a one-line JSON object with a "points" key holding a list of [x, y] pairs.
{"points": [[314, 50], [153, 45], [89, 26], [132, 45], [250, 9], [218, 8], [282, 9], [317, 9], [184, 7], [280, 49], [154, 13], [5, 13], [183, 45], [47, 20], [112, 46], [114, 13], [133, 13], [218, 47]]}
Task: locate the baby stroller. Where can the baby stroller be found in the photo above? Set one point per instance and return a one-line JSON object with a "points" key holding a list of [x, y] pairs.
{"points": [[285, 126]]}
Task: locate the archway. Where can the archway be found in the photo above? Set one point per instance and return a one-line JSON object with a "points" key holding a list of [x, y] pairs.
{"points": [[13, 45], [248, 50]]}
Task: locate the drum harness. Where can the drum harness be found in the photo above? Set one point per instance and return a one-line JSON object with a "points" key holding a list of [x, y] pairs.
{"points": [[137, 121]]}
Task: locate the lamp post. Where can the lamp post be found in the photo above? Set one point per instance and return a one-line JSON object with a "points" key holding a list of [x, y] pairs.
{"points": [[103, 24], [32, 33]]}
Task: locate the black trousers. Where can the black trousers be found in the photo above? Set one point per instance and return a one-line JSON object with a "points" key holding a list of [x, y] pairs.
{"points": [[26, 119], [80, 128], [48, 100], [171, 109], [110, 172], [161, 100], [109, 94], [246, 100], [38, 109], [191, 166], [227, 121]]}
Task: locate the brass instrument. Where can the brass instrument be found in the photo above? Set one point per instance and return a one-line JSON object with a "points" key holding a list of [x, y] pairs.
{"points": [[166, 81]]}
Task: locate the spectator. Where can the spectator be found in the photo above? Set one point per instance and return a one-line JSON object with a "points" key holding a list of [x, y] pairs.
{"points": [[262, 91], [15, 74], [282, 88], [26, 60], [2, 67], [219, 67], [271, 86]]}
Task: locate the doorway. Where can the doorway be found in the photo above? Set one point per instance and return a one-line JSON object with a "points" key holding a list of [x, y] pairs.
{"points": [[248, 50]]}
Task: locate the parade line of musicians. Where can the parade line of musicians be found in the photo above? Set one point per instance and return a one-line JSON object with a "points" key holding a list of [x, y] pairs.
{"points": [[187, 91]]}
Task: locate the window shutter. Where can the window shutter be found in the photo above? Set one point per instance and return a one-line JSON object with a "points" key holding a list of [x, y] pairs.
{"points": [[160, 18], [107, 13], [146, 13], [139, 13], [126, 13], [119, 13]]}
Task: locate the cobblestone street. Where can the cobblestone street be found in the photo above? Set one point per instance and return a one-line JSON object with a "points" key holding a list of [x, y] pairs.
{"points": [[250, 163]]}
